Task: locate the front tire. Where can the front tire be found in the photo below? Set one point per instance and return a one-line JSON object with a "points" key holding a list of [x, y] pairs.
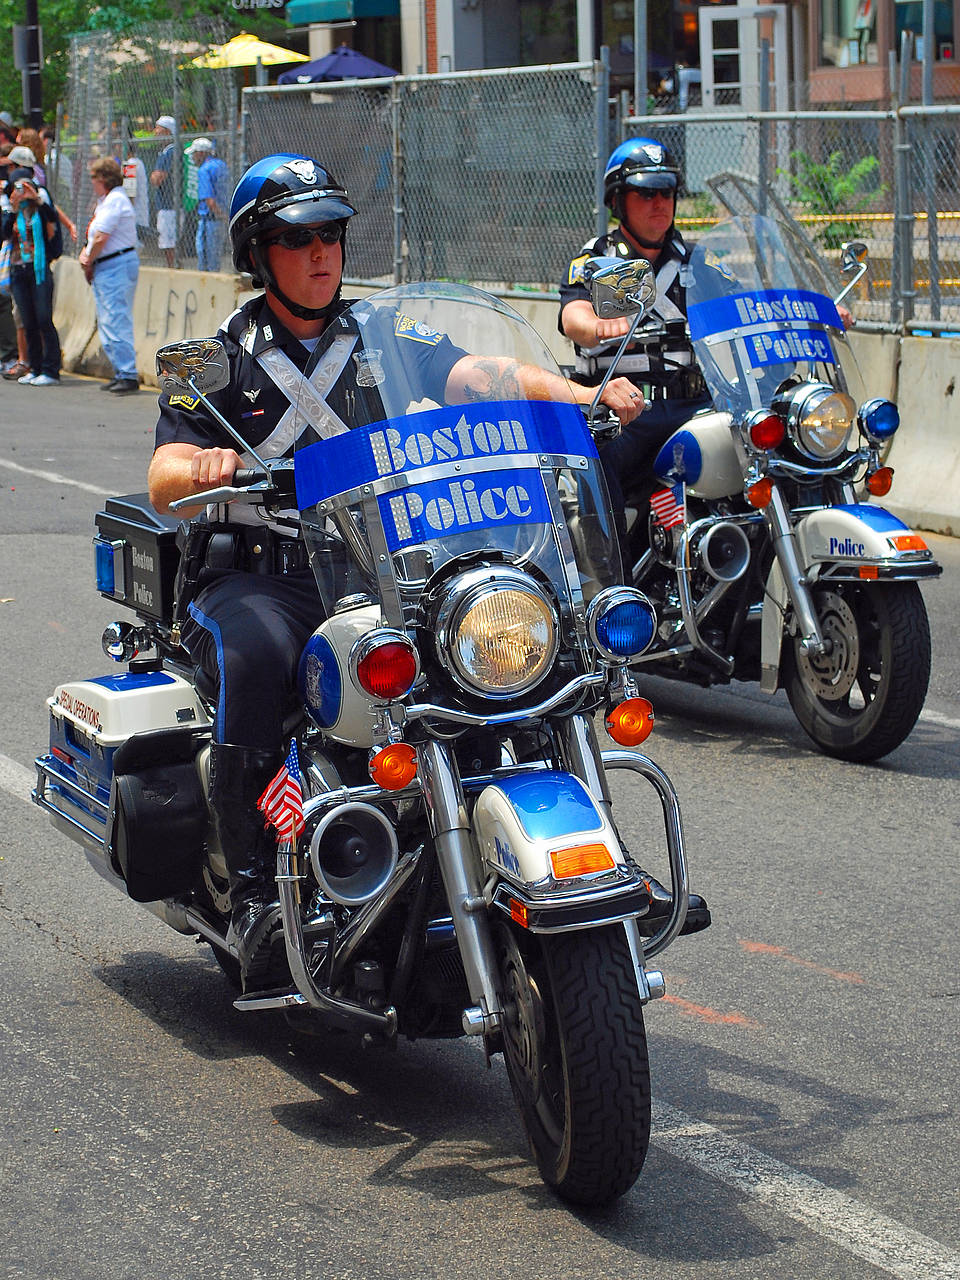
{"points": [[861, 700], [576, 1056]]}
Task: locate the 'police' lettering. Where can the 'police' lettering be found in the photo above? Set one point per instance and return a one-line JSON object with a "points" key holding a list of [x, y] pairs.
{"points": [[462, 505]]}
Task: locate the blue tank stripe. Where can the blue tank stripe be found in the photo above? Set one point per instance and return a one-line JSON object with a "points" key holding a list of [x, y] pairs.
{"points": [[877, 518]]}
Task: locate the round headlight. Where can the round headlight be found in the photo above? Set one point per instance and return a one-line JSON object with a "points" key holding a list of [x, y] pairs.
{"points": [[497, 632], [823, 423], [621, 622], [878, 419]]}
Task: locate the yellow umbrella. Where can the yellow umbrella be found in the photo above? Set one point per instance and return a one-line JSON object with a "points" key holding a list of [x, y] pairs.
{"points": [[246, 51]]}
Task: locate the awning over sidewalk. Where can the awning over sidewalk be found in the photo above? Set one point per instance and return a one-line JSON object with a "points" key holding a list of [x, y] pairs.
{"points": [[303, 12]]}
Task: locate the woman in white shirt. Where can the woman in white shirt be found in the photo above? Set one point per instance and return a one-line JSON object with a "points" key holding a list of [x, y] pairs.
{"points": [[111, 265]]}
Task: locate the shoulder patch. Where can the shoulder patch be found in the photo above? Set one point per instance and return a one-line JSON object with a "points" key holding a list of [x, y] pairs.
{"points": [[575, 274], [184, 402], [717, 264], [415, 330]]}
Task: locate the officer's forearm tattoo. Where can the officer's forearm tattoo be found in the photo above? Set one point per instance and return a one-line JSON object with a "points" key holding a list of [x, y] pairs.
{"points": [[493, 380]]}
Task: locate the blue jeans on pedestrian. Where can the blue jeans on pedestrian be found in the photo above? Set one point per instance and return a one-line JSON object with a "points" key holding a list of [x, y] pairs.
{"points": [[114, 286], [35, 304], [209, 243]]}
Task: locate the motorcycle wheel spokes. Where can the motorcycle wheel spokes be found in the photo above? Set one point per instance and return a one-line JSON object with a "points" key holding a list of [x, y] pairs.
{"points": [[861, 700], [577, 1058]]}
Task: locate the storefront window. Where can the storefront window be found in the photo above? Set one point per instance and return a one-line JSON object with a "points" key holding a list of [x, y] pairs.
{"points": [[909, 17], [848, 32]]}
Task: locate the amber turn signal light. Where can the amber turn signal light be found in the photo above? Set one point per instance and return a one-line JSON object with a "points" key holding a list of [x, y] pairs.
{"points": [[880, 481], [630, 722], [909, 542], [394, 767], [760, 493], [582, 860]]}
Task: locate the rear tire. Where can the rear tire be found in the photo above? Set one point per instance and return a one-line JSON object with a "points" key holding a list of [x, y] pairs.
{"points": [[861, 700], [576, 1056]]}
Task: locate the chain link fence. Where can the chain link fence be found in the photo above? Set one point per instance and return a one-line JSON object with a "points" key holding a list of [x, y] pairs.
{"points": [[487, 177], [495, 177], [889, 178], [118, 86]]}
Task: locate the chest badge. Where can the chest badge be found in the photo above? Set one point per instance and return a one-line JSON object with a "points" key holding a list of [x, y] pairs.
{"points": [[369, 369], [252, 395]]}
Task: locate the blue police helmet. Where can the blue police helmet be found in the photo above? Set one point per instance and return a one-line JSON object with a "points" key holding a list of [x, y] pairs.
{"points": [[638, 162], [278, 191]]}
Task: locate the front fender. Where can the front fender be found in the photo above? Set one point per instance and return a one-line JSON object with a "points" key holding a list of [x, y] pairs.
{"points": [[526, 825], [853, 543]]}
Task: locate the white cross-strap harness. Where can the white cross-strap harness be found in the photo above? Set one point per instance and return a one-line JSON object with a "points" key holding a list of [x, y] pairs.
{"points": [[308, 408]]}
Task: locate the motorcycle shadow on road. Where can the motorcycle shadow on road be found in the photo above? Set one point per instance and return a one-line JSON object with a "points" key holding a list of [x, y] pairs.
{"points": [[757, 725], [425, 1117]]}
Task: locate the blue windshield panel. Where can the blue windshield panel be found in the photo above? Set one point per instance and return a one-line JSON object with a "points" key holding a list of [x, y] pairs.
{"points": [[455, 434], [758, 309]]}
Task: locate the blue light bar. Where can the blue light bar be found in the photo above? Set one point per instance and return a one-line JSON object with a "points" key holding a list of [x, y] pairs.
{"points": [[108, 562]]}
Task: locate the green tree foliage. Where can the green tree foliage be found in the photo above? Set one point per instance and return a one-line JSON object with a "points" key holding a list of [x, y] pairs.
{"points": [[826, 187]]}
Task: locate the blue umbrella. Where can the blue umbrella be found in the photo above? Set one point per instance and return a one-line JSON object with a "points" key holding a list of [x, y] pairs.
{"points": [[343, 63]]}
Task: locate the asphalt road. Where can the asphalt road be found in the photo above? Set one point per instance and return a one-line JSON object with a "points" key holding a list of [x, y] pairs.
{"points": [[804, 1060]]}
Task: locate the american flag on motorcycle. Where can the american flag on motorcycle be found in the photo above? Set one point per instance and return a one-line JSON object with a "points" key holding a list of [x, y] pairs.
{"points": [[282, 799], [668, 506]]}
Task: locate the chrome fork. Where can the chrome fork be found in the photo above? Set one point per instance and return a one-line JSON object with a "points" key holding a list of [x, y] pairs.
{"points": [[777, 515], [460, 868]]}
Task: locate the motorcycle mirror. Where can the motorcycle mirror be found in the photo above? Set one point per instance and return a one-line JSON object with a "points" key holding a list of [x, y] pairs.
{"points": [[620, 288], [852, 255], [199, 365]]}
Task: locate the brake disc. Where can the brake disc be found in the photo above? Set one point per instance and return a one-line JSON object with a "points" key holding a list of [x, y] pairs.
{"points": [[831, 675]]}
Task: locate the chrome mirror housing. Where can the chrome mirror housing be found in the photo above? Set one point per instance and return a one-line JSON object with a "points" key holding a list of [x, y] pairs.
{"points": [[619, 288], [199, 365], [852, 255]]}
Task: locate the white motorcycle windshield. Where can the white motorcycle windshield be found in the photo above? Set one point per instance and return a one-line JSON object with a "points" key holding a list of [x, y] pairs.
{"points": [[759, 312], [428, 450]]}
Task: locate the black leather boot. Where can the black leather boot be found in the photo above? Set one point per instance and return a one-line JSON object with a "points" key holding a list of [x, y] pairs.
{"points": [[661, 904], [238, 776]]}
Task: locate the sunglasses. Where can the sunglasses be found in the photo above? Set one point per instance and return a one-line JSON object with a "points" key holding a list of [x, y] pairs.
{"points": [[653, 193], [300, 237]]}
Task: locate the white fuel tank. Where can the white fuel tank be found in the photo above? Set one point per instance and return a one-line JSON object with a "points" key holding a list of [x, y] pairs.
{"points": [[704, 453]]}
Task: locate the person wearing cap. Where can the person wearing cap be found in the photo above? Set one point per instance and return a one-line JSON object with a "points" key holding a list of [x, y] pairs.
{"points": [[29, 223], [111, 265], [161, 179], [213, 197]]}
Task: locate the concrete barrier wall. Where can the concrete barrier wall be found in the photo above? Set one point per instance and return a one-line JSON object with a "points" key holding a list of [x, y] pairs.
{"points": [[922, 374], [925, 453]]}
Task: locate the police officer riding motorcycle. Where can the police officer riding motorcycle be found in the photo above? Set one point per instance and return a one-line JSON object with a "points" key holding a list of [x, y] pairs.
{"points": [[640, 188]]}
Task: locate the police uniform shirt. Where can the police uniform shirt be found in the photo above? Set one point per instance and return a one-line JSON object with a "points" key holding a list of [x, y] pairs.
{"points": [[615, 245], [254, 404]]}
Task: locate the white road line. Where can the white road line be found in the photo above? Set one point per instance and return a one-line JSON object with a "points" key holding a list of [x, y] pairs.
{"points": [[52, 477], [935, 717], [16, 780], [877, 1239]]}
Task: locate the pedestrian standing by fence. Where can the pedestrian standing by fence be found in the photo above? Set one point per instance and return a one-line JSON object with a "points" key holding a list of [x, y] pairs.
{"points": [[30, 223], [111, 265], [161, 179], [213, 198]]}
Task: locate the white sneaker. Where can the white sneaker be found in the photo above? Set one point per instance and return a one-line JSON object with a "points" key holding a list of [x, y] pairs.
{"points": [[27, 378], [44, 380]]}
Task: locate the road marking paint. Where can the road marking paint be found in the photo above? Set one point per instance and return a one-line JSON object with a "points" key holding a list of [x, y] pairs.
{"points": [[845, 1222], [768, 949], [15, 779], [706, 1014], [52, 476], [935, 717]]}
